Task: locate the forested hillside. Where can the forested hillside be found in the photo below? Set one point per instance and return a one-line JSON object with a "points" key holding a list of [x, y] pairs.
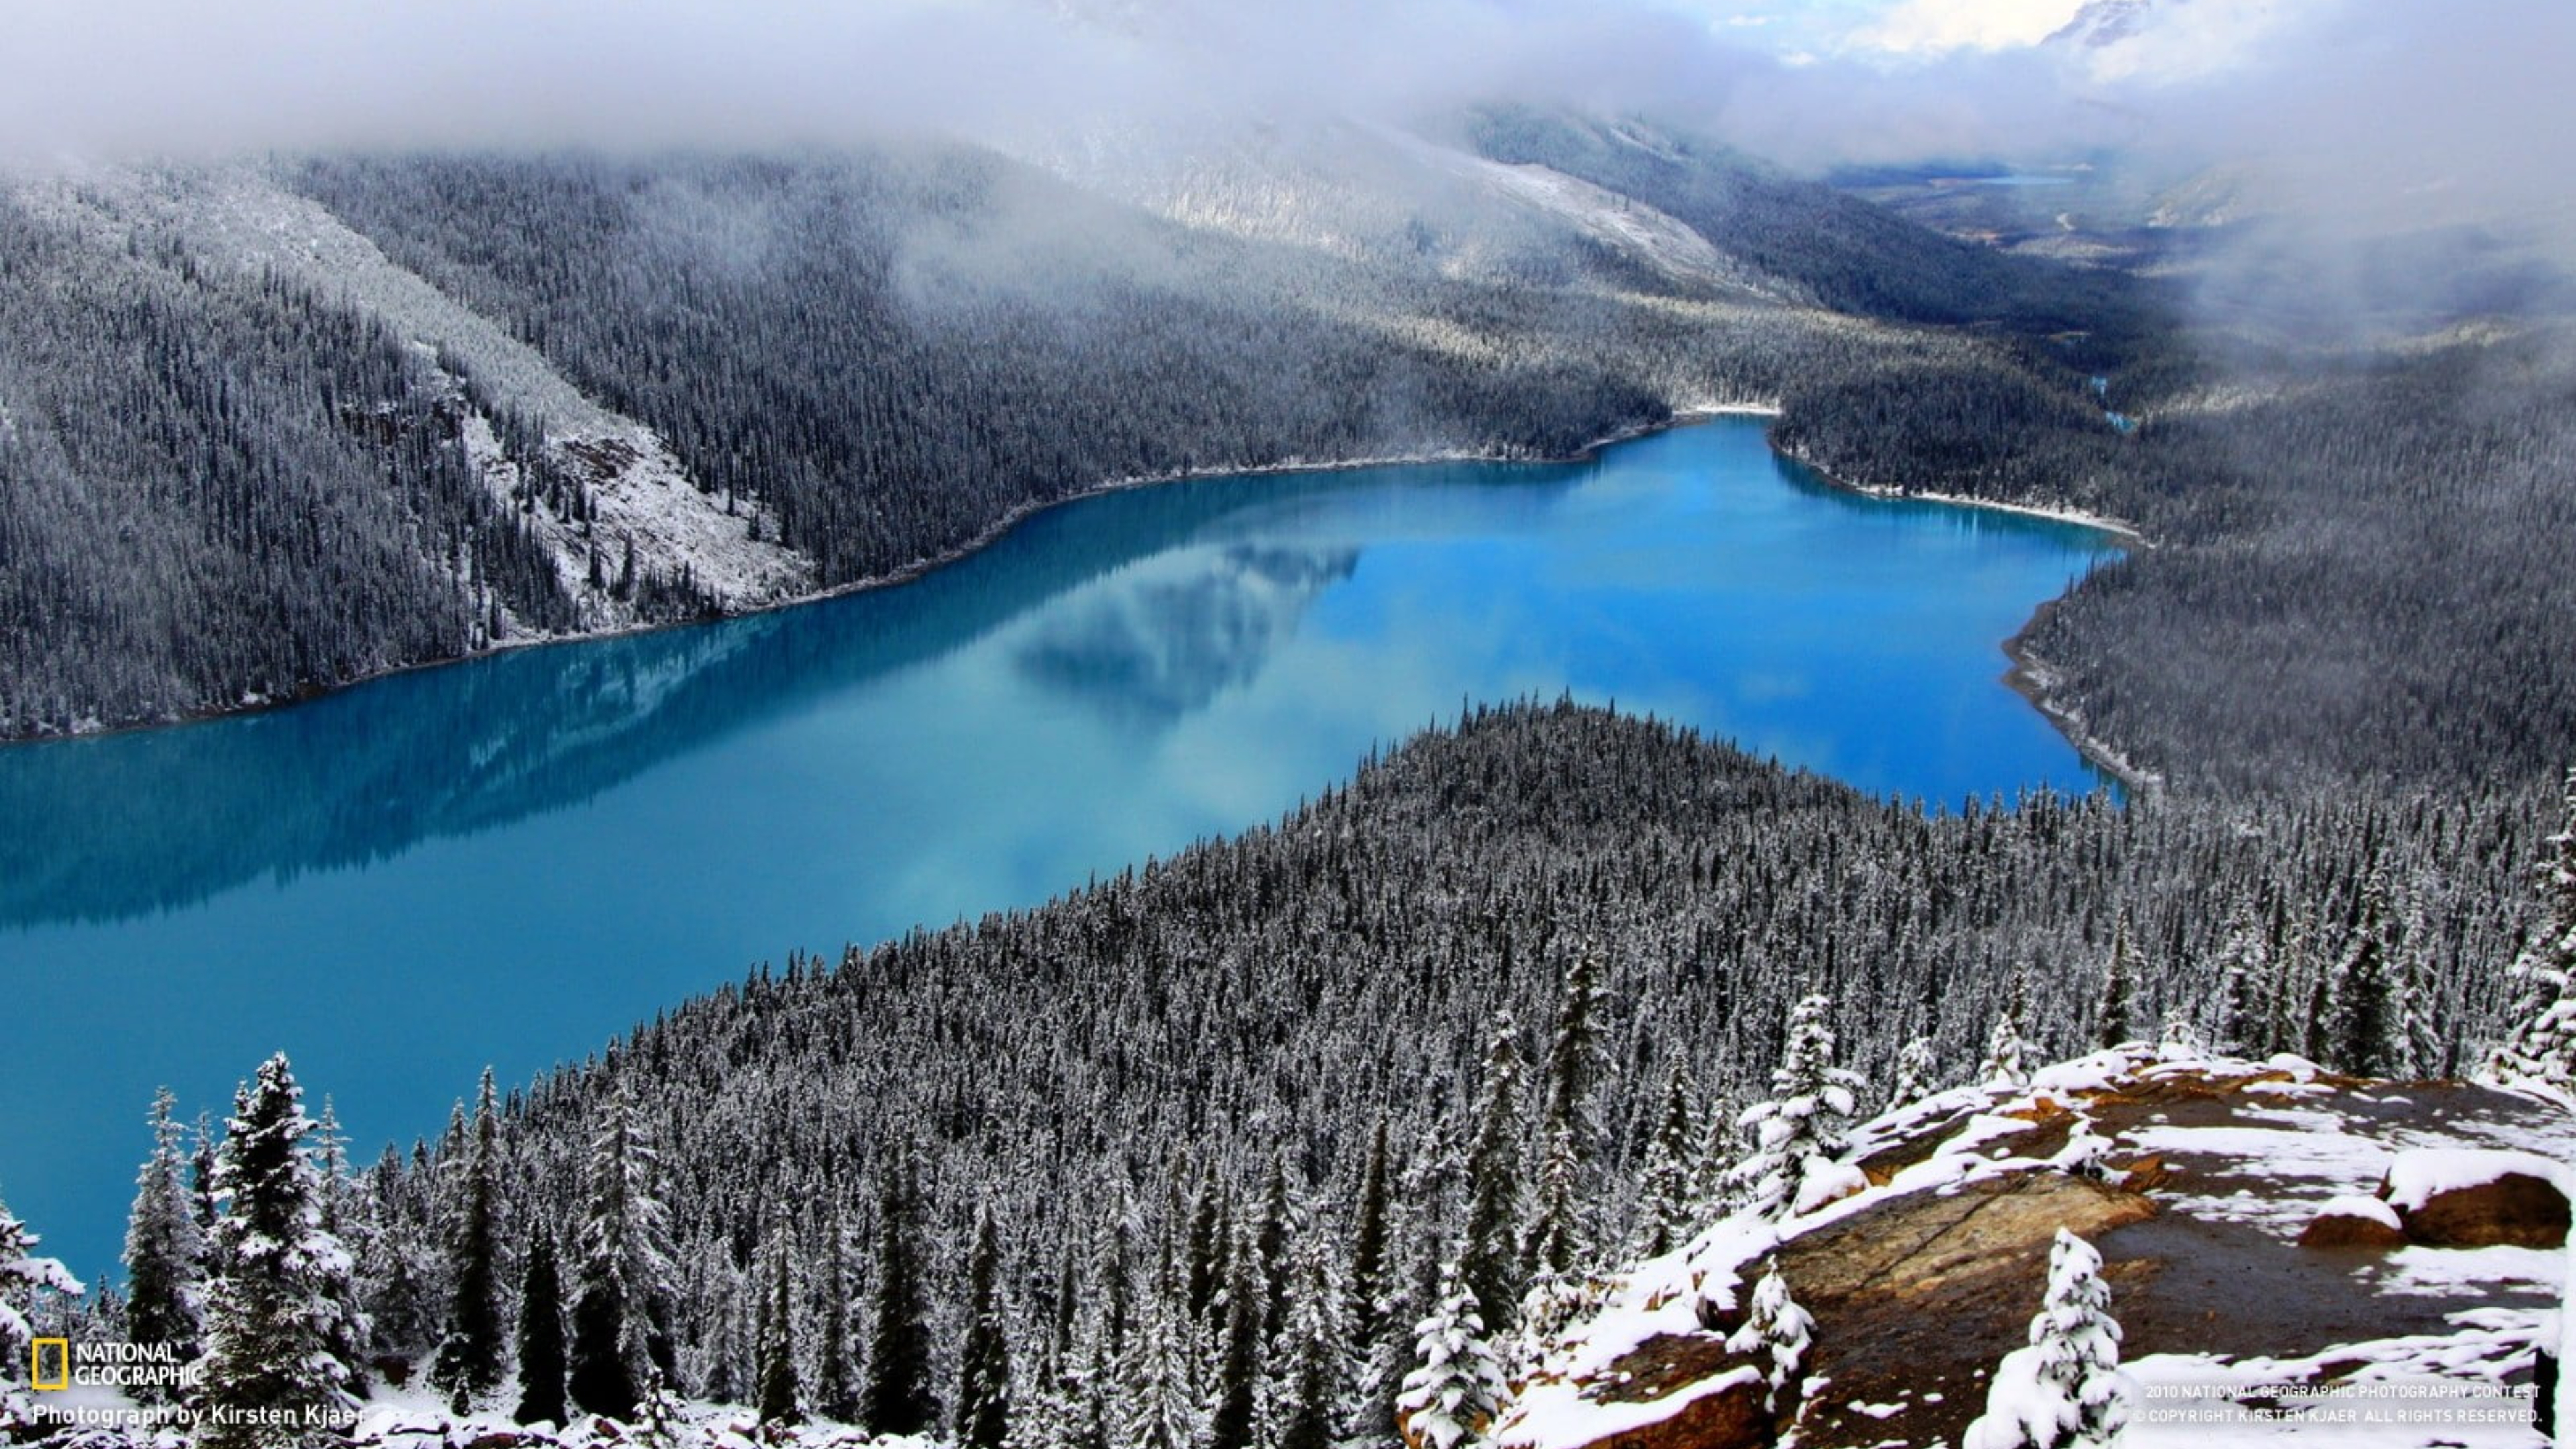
{"points": [[1187, 1150], [1499, 999], [540, 395]]}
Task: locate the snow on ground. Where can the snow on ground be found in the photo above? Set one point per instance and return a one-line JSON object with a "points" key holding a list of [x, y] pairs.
{"points": [[2273, 1159], [2325, 1165], [414, 1421], [2396, 1393]]}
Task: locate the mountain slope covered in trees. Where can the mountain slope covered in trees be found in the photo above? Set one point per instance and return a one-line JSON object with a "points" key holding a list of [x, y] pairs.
{"points": [[1495, 1002]]}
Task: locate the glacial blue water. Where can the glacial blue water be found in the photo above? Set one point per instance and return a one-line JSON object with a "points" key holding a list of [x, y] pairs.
{"points": [[509, 861]]}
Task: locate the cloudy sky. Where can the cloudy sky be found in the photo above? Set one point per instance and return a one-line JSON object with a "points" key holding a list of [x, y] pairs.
{"points": [[2410, 100]]}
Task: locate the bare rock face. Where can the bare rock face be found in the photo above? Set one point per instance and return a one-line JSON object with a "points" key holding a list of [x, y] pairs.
{"points": [[1731, 1418], [2515, 1209], [1916, 1294]]}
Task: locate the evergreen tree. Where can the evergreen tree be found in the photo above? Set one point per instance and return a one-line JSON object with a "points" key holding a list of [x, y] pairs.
{"points": [[1456, 1386], [1576, 1056], [836, 1379], [1799, 1130], [470, 1359], [277, 1335], [1366, 1313], [2237, 1021], [1313, 1347], [1918, 1073], [1208, 1235], [2539, 1048], [23, 1276], [201, 1179], [2065, 1391], [619, 1317], [1270, 1251], [983, 1359], [1487, 1260], [2003, 1065], [165, 1253], [541, 1336], [1779, 1330], [1554, 1244], [898, 1398], [779, 1390], [2365, 1015], [1666, 1200], [1162, 1403], [1234, 1422], [2112, 1024]]}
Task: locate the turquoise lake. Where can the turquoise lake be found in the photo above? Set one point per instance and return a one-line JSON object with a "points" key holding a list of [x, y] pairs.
{"points": [[511, 860]]}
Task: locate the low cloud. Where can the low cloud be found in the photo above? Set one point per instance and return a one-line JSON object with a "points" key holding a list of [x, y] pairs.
{"points": [[2353, 112]]}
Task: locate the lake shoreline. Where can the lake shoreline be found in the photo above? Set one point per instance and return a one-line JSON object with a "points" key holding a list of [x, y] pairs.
{"points": [[2029, 677], [983, 539]]}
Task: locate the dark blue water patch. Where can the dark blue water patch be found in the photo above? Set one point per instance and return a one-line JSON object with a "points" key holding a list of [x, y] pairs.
{"points": [[507, 861]]}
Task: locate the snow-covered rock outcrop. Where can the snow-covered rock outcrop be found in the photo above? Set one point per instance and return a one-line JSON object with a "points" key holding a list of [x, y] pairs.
{"points": [[2194, 1177]]}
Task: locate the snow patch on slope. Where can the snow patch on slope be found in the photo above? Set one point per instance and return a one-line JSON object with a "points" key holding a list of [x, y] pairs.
{"points": [[239, 216], [1660, 240]]}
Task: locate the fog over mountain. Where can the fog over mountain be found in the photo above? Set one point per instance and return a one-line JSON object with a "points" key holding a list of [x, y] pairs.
{"points": [[2399, 113]]}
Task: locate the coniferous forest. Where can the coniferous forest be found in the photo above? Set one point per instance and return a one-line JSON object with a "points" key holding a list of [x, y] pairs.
{"points": [[1199, 1156]]}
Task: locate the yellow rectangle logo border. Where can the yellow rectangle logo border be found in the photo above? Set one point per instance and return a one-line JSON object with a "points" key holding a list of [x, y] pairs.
{"points": [[36, 1364]]}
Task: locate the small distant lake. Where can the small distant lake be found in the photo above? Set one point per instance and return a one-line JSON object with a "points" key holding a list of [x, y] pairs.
{"points": [[509, 860]]}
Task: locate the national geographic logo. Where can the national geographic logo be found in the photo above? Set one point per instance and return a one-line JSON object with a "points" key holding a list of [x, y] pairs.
{"points": [[56, 1364]]}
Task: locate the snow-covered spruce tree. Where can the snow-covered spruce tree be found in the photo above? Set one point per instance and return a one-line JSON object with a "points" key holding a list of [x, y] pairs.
{"points": [[2180, 1034], [1456, 1386], [278, 1336], [1722, 1149], [1489, 1258], [2237, 1009], [1233, 1410], [1554, 1248], [2539, 1046], [623, 1287], [541, 1335], [401, 1271], [984, 1356], [2003, 1065], [470, 1357], [165, 1252], [898, 1398], [1779, 1330], [1162, 1409], [1799, 1130], [2364, 996], [1665, 1200], [1309, 1386], [1270, 1251], [1918, 1073], [1101, 1334], [2114, 1010], [2418, 1041], [778, 1391], [1366, 1313], [2065, 1391], [23, 1276], [1577, 1056], [836, 1376]]}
